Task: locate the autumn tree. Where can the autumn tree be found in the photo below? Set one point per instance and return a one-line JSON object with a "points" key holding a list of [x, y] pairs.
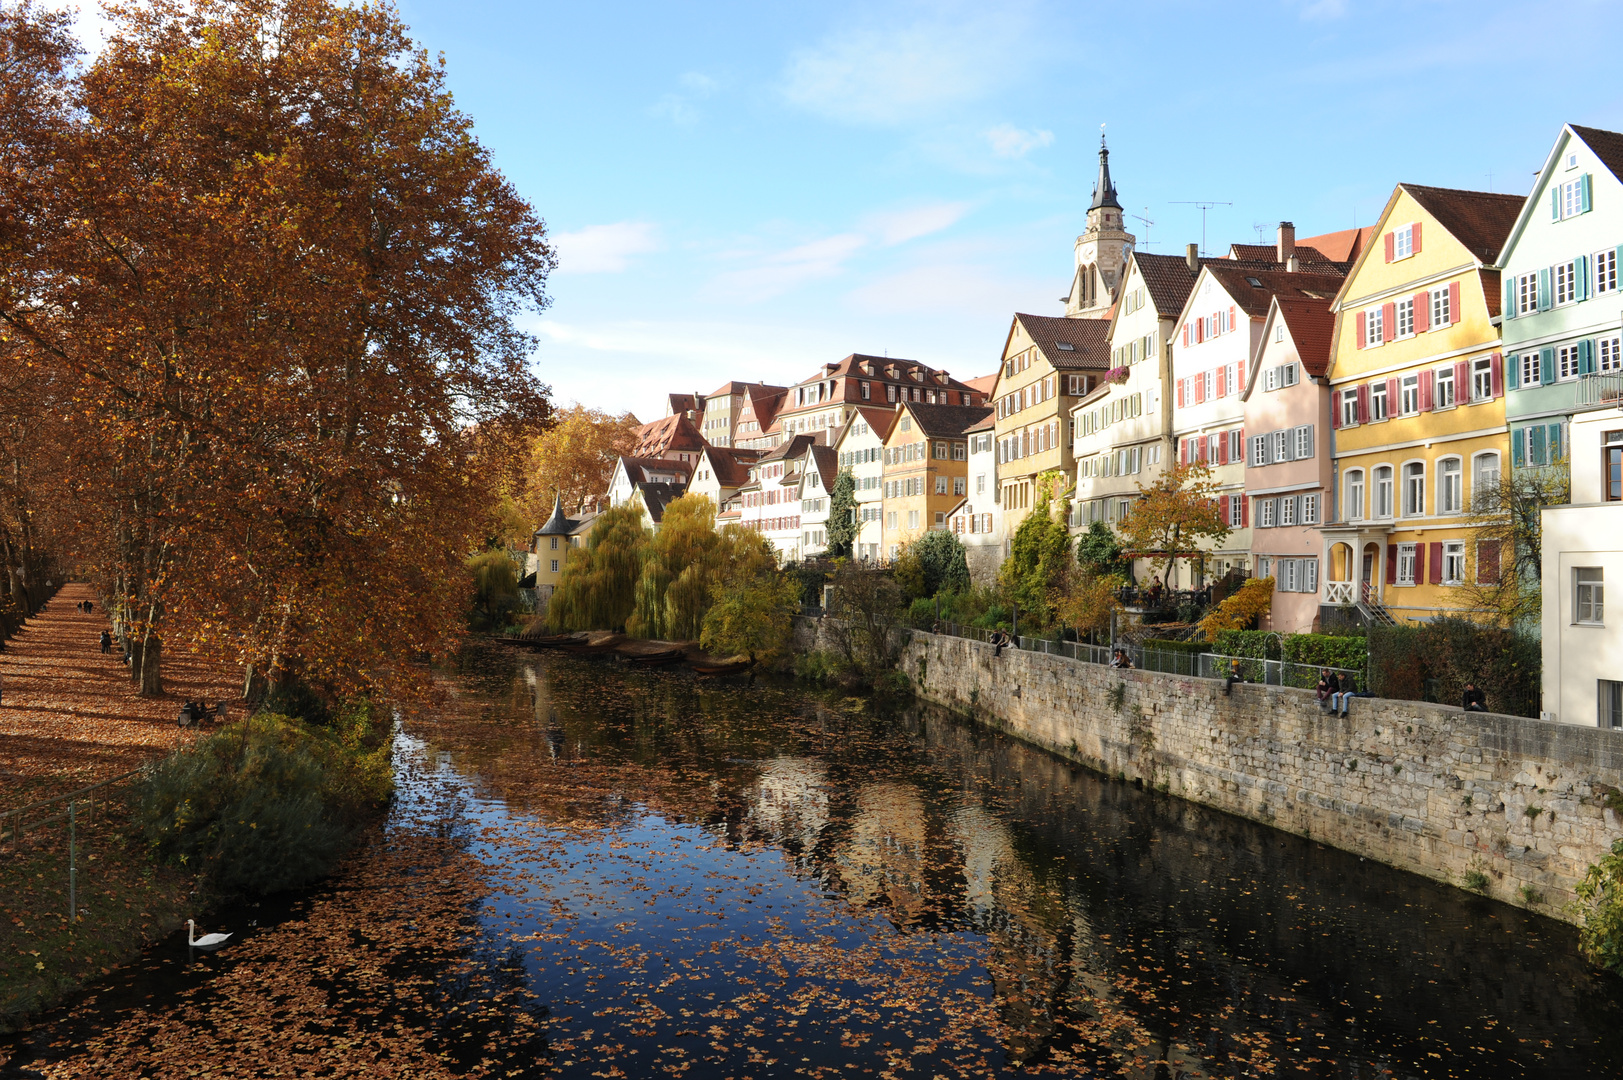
{"points": [[278, 280], [1507, 549], [1172, 516], [842, 516], [679, 565], [598, 589], [753, 602], [1039, 554], [934, 563], [574, 458]]}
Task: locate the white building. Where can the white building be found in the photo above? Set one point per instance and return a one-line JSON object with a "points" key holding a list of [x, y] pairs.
{"points": [[859, 450], [978, 519], [1582, 551]]}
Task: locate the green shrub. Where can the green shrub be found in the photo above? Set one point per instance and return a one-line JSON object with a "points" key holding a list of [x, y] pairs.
{"points": [[1600, 894], [266, 804], [820, 666], [1448, 653], [1258, 644], [936, 562], [1327, 650], [920, 613]]}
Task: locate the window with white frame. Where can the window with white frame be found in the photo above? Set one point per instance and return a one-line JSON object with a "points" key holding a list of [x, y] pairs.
{"points": [[1441, 312], [1265, 566], [1304, 442], [1310, 509], [1403, 242], [1372, 327], [1265, 512], [1609, 703], [1377, 401], [1236, 510], [1531, 369], [1279, 331], [1409, 395], [1450, 486], [1414, 489], [1235, 440], [1406, 558], [1481, 380], [1287, 510], [1485, 479], [1572, 197], [1349, 407], [1443, 387], [1405, 317], [1589, 587], [1278, 446], [1270, 379], [1383, 491], [1259, 449], [1286, 579], [960, 485], [1566, 361], [1526, 293], [1352, 495], [1453, 562], [1609, 354], [1605, 263], [1566, 282]]}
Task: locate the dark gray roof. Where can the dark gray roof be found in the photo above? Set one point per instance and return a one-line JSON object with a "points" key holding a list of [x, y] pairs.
{"points": [[1104, 192]]}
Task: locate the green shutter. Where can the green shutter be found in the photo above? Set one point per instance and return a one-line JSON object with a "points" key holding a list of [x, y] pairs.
{"points": [[1586, 357], [1555, 202], [1517, 442], [1555, 442], [1513, 370], [1583, 194], [1544, 289], [1546, 366], [1580, 270], [1509, 310], [1537, 453]]}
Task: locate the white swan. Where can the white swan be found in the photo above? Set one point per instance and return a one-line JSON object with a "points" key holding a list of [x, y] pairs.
{"points": [[206, 939]]}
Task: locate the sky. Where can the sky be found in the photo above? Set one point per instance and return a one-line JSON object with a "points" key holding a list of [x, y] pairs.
{"points": [[750, 190]]}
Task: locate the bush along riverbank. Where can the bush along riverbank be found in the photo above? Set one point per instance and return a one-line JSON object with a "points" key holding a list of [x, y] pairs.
{"points": [[260, 806]]}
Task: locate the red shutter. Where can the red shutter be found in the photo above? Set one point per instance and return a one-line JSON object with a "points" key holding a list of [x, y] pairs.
{"points": [[1415, 237], [1223, 448], [1186, 335], [1240, 374], [1437, 563], [1200, 331], [1422, 311], [1245, 511], [1232, 323], [1200, 388], [1498, 363], [1363, 404], [1425, 391], [1358, 342], [1453, 302], [1462, 383], [1392, 399], [1180, 393], [1389, 322], [1487, 562], [1388, 239], [1420, 564], [1391, 549], [1335, 408]]}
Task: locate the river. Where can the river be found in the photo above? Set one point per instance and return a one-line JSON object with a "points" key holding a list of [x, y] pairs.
{"points": [[597, 872]]}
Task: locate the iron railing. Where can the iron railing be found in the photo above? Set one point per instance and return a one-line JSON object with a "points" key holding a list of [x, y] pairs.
{"points": [[81, 805], [1601, 389]]}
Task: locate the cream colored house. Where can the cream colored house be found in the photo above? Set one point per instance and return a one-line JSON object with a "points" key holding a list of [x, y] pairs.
{"points": [[859, 450]]}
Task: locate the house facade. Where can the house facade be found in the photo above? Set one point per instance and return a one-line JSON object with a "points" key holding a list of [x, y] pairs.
{"points": [[860, 450], [720, 473], [1559, 273], [978, 519], [769, 502], [926, 462], [823, 404], [1581, 552], [1287, 456], [723, 409], [815, 472], [1418, 407]]}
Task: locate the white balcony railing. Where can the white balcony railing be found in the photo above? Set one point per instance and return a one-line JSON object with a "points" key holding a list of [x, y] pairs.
{"points": [[1602, 389], [1338, 592]]}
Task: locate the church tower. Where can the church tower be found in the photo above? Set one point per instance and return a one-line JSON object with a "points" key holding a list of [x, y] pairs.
{"points": [[1101, 251]]}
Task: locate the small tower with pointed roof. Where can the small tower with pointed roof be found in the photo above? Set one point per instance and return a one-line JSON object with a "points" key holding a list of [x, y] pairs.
{"points": [[1101, 251]]}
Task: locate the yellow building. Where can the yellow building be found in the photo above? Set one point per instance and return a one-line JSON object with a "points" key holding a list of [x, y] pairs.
{"points": [[1047, 365], [926, 460], [1418, 407], [550, 546]]}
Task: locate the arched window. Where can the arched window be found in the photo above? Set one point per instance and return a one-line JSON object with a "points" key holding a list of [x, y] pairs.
{"points": [[1485, 479], [1450, 486], [1352, 496], [1383, 492], [1414, 489]]}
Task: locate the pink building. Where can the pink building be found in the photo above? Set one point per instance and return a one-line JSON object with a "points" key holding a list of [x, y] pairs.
{"points": [[1287, 462]]}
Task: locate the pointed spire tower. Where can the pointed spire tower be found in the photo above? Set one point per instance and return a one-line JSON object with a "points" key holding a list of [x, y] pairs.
{"points": [[1102, 250]]}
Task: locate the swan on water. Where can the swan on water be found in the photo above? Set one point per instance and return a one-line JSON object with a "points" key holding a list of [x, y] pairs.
{"points": [[206, 939]]}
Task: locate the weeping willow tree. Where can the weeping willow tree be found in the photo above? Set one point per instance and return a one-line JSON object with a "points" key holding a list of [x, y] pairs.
{"points": [[598, 590], [495, 579], [751, 599], [678, 564]]}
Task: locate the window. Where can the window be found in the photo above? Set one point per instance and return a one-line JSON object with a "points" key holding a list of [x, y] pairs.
{"points": [[1352, 498], [1405, 320], [1414, 489], [960, 452], [1612, 463], [1279, 331], [1487, 562], [1286, 576], [1454, 562], [1443, 388], [1566, 361], [1265, 512], [1608, 355], [1403, 242], [1450, 486], [960, 485], [1259, 450], [1278, 445], [554, 566], [554, 543], [1377, 401], [1605, 270], [1530, 368], [1571, 198], [1524, 293], [1287, 510], [1310, 509], [1409, 395], [1372, 327], [1587, 604], [1406, 557], [1610, 705], [1383, 491], [1236, 510], [1441, 310], [912, 519], [1485, 481], [1304, 442], [1236, 439], [941, 485], [980, 484], [941, 451], [1265, 566], [1349, 407], [1566, 282]]}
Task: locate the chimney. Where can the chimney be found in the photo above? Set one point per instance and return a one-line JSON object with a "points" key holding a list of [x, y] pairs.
{"points": [[1193, 258], [1287, 241], [1293, 264]]}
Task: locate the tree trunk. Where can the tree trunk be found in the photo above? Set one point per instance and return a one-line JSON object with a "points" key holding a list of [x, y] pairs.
{"points": [[144, 666]]}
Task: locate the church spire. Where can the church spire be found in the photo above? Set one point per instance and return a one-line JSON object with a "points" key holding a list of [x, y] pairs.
{"points": [[1104, 192]]}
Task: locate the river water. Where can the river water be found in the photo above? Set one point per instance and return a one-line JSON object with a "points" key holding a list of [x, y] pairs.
{"points": [[596, 872]]}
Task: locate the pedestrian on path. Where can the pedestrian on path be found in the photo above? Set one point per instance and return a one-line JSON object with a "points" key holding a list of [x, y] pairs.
{"points": [[106, 642]]}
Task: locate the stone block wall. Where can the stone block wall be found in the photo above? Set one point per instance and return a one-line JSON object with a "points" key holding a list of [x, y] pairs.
{"points": [[1428, 788]]}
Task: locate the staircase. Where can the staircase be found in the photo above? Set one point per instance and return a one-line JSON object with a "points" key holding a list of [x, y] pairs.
{"points": [[1371, 610]]}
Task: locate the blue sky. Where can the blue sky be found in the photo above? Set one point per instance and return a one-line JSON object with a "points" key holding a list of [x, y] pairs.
{"points": [[748, 190]]}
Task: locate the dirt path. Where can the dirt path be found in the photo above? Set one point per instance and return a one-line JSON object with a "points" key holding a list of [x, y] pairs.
{"points": [[70, 716]]}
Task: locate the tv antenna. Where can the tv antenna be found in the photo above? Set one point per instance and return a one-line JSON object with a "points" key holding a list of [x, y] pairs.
{"points": [[1205, 205], [1147, 224]]}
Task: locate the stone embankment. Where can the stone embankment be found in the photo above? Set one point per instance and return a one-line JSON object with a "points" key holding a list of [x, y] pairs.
{"points": [[1518, 808]]}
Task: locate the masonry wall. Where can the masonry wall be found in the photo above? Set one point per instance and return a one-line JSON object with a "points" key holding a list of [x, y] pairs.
{"points": [[1425, 788]]}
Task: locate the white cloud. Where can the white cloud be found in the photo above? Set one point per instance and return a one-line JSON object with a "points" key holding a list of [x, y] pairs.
{"points": [[898, 226], [785, 270], [958, 288], [679, 107], [889, 74], [1009, 141], [604, 249]]}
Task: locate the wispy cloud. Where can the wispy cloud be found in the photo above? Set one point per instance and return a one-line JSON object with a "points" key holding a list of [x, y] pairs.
{"points": [[604, 249], [1323, 10], [681, 106], [958, 287], [899, 226], [783, 271], [890, 73], [1009, 141]]}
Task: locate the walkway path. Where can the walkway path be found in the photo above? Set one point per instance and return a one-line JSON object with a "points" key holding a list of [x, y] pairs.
{"points": [[70, 716]]}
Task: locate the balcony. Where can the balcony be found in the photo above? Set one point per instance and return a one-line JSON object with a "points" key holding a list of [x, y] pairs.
{"points": [[1340, 592], [1605, 389]]}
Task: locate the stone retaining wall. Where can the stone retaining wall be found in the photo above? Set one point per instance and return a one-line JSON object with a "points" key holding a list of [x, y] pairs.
{"points": [[1528, 805]]}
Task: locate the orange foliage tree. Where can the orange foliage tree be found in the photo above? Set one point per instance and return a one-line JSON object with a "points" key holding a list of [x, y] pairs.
{"points": [[574, 459], [275, 279], [1173, 515]]}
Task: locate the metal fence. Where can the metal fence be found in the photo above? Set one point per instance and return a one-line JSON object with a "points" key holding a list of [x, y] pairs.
{"points": [[74, 808], [1276, 672]]}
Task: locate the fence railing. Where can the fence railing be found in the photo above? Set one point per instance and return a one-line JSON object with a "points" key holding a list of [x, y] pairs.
{"points": [[74, 808], [1340, 592], [1276, 672], [1600, 389]]}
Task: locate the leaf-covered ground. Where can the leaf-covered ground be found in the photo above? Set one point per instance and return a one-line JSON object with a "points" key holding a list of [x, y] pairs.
{"points": [[595, 873]]}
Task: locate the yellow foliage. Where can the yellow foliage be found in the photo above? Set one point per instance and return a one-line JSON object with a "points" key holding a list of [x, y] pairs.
{"points": [[1239, 611]]}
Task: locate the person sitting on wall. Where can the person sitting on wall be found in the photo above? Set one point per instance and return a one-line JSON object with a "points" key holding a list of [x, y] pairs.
{"points": [[998, 640], [1474, 700], [1329, 687], [1234, 677], [1120, 659]]}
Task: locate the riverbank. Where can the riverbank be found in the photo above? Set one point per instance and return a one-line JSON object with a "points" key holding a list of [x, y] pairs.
{"points": [[1508, 807], [69, 718]]}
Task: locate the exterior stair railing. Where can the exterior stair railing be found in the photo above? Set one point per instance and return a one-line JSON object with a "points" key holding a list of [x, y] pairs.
{"points": [[1370, 608]]}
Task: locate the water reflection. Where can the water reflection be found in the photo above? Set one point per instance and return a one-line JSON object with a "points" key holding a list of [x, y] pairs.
{"points": [[797, 882]]}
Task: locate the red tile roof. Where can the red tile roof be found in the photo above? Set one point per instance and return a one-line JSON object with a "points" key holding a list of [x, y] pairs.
{"points": [[671, 434], [1266, 257], [1607, 145], [1480, 220], [947, 420], [1069, 344], [859, 367], [1342, 247], [1312, 324], [731, 465], [1254, 299]]}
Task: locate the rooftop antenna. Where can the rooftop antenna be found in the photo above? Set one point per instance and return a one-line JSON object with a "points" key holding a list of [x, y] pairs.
{"points": [[1262, 228], [1147, 224], [1205, 205]]}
